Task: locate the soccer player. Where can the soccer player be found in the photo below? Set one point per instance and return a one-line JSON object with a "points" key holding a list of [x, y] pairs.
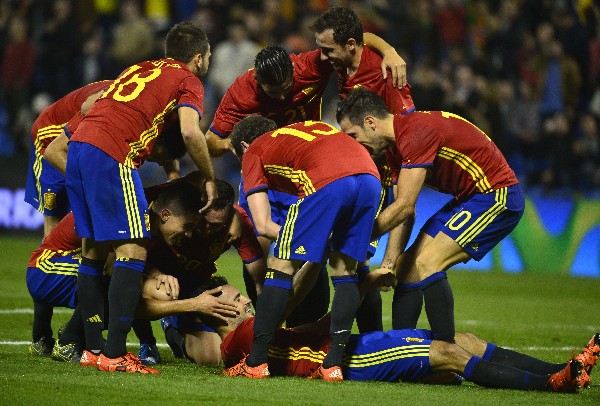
{"points": [[448, 153], [337, 203], [339, 36], [408, 355], [105, 189], [45, 189]]}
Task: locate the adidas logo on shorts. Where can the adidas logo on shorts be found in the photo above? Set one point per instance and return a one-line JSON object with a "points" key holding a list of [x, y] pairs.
{"points": [[300, 250]]}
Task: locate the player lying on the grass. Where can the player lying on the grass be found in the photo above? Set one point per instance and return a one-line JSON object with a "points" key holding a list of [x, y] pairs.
{"points": [[408, 355], [52, 271]]}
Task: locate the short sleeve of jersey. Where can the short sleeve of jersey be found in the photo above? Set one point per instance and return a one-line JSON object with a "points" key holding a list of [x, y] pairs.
{"points": [[72, 124], [310, 64], [191, 94], [253, 173], [248, 247]]}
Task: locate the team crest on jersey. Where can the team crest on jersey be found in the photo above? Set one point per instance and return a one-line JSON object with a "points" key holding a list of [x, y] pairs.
{"points": [[147, 221], [49, 201], [414, 340]]}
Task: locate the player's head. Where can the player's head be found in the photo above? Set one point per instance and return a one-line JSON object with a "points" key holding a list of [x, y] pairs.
{"points": [[249, 129], [360, 116], [338, 33], [218, 217], [177, 210], [169, 146], [230, 292], [274, 71], [187, 43]]}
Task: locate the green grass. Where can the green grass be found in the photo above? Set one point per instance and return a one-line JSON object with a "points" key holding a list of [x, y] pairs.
{"points": [[546, 316]]}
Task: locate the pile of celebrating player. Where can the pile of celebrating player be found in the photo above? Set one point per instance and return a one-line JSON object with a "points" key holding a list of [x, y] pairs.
{"points": [[317, 196]]}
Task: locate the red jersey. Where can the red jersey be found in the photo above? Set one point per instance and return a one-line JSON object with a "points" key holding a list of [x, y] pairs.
{"points": [[127, 119], [62, 241], [302, 158], [51, 121], [291, 354], [245, 97], [368, 76], [462, 160]]}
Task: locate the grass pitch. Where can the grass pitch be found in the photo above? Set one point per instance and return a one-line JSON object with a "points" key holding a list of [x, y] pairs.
{"points": [[546, 316]]}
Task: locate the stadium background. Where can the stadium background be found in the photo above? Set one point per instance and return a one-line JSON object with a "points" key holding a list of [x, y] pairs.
{"points": [[493, 62]]}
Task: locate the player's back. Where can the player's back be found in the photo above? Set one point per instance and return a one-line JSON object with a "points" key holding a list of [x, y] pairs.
{"points": [[465, 160], [128, 117], [50, 122], [303, 157], [62, 240]]}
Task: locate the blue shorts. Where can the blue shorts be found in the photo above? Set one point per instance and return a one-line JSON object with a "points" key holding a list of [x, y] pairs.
{"points": [[481, 221], [45, 188], [387, 198], [280, 203], [54, 281], [344, 209], [107, 198], [391, 356]]}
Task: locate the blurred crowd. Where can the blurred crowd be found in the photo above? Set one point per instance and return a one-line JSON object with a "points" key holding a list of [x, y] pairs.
{"points": [[527, 72]]}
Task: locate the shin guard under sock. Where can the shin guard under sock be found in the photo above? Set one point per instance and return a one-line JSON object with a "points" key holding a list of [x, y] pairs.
{"points": [[91, 293], [527, 363], [439, 306], [406, 306], [346, 299], [123, 296], [73, 331], [492, 375], [270, 309], [42, 321]]}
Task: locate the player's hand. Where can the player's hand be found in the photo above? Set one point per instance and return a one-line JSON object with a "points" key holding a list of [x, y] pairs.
{"points": [[211, 194], [397, 66], [210, 305], [171, 285], [381, 279]]}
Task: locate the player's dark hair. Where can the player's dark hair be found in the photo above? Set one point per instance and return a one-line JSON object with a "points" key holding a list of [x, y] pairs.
{"points": [[181, 198], [359, 104], [213, 282], [249, 129], [225, 195], [172, 141], [273, 66], [184, 41], [344, 23]]}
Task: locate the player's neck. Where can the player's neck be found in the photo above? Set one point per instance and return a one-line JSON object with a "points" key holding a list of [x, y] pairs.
{"points": [[351, 70]]}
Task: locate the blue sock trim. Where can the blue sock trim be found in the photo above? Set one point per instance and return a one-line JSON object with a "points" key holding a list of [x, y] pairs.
{"points": [[130, 263], [471, 366], [338, 280], [489, 350], [432, 278], [278, 283], [91, 267]]}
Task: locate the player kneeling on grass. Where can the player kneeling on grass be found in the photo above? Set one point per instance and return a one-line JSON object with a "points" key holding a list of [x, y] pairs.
{"points": [[409, 355]]}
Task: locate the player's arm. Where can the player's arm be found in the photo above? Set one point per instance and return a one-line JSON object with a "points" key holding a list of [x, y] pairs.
{"points": [[217, 146], [195, 144], [397, 240], [207, 304], [257, 271], [410, 182], [56, 152], [89, 102], [391, 58], [172, 169], [261, 214]]}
